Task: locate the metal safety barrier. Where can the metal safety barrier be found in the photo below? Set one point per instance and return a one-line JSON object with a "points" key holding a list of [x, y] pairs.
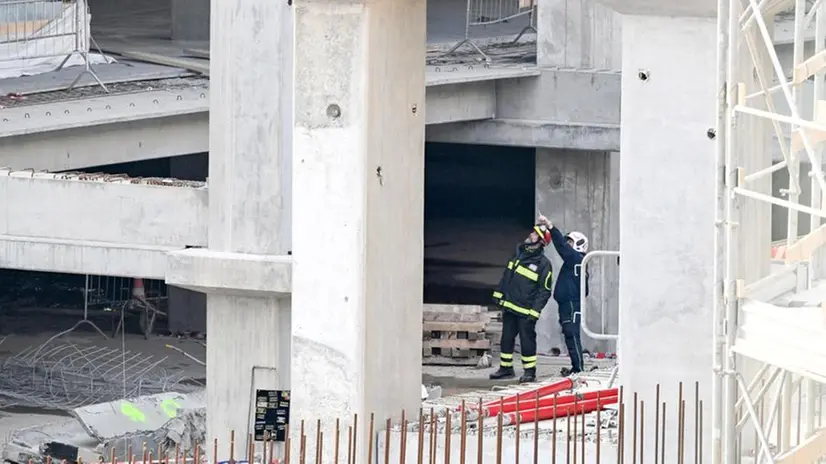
{"points": [[584, 301], [583, 282], [482, 13], [34, 34]]}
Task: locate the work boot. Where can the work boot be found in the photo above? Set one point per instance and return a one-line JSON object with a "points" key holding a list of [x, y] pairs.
{"points": [[503, 373], [567, 372], [528, 376]]}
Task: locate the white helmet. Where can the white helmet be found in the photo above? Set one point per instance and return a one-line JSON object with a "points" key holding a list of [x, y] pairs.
{"points": [[580, 241]]}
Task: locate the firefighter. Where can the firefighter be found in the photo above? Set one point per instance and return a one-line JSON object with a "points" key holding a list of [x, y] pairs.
{"points": [[523, 291], [572, 249]]}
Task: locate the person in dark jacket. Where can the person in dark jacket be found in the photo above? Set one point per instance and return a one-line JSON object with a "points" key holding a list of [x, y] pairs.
{"points": [[524, 289], [572, 249]]}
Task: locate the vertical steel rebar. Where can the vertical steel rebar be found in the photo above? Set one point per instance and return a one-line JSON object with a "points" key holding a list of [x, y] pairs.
{"points": [[499, 431], [251, 450], [463, 438], [553, 441], [657, 424], [583, 435], [700, 420], [336, 440], [696, 421], [448, 432], [287, 446], [518, 428], [681, 430], [302, 445], [536, 430], [349, 444], [599, 427], [433, 435], [403, 438], [573, 439], [318, 442], [634, 436], [480, 429], [662, 436], [355, 437], [621, 444], [388, 425], [679, 423], [642, 431], [370, 439], [420, 456], [567, 439]]}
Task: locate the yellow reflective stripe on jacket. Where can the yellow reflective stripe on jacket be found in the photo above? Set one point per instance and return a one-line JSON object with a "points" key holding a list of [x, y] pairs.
{"points": [[519, 309], [525, 272], [497, 294], [549, 280]]}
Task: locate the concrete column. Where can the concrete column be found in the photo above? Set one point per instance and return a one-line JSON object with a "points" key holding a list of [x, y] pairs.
{"points": [[667, 213], [578, 191], [245, 271], [358, 246], [190, 19], [578, 34]]}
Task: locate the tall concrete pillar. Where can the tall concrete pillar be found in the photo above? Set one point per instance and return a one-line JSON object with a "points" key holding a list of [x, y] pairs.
{"points": [[667, 213], [577, 34], [246, 270], [578, 190], [358, 169]]}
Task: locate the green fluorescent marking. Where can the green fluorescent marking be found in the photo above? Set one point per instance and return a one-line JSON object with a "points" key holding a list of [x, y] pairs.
{"points": [[132, 412], [170, 407]]}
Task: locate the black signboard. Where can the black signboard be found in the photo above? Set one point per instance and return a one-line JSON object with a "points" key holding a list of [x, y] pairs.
{"points": [[272, 414]]}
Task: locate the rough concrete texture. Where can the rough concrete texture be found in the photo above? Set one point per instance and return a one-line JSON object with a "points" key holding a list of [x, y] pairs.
{"points": [[578, 34], [358, 252], [577, 191], [249, 348], [666, 287]]}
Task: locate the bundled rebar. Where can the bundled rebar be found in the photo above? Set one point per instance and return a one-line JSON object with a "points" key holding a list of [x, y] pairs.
{"points": [[63, 376]]}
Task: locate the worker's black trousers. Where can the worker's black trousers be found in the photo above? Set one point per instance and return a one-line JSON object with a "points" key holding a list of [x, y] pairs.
{"points": [[570, 319], [525, 327]]}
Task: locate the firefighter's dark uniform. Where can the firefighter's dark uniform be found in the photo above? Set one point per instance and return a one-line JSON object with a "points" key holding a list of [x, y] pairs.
{"points": [[523, 291], [567, 296]]}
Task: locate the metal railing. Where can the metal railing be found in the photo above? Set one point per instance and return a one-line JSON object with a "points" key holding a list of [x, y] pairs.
{"points": [[480, 13], [583, 277], [35, 33]]}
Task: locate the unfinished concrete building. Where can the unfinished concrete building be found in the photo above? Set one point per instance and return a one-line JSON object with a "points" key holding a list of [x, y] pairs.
{"points": [[302, 182]]}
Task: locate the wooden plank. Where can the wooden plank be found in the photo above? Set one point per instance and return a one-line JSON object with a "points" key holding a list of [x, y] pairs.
{"points": [[802, 249], [452, 317], [444, 326], [810, 450], [446, 361], [458, 343]]}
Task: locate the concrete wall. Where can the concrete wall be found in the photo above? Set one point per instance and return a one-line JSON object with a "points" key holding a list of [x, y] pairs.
{"points": [[578, 190], [103, 212], [578, 34]]}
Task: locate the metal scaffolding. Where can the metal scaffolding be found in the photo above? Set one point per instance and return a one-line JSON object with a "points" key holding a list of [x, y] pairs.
{"points": [[770, 328]]}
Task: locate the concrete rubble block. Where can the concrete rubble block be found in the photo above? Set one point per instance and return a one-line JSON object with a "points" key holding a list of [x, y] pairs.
{"points": [[120, 418]]}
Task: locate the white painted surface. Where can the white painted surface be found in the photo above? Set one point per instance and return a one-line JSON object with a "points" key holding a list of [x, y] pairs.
{"points": [[667, 209], [358, 245], [246, 209]]}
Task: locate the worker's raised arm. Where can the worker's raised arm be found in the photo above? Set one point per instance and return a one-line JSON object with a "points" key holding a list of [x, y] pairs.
{"points": [[545, 282], [566, 252]]}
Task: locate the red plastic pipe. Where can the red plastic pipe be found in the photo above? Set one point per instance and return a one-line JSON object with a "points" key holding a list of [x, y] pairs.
{"points": [[545, 390], [491, 411], [569, 409]]}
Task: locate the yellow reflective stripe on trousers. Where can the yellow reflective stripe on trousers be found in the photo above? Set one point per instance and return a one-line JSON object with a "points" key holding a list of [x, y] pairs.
{"points": [[529, 365], [519, 309], [505, 363], [497, 295], [525, 272], [526, 359], [505, 356]]}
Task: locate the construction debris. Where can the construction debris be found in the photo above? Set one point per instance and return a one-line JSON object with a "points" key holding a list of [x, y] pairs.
{"points": [[63, 376]]}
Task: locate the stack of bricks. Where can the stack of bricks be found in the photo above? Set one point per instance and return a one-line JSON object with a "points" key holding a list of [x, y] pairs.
{"points": [[454, 335]]}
